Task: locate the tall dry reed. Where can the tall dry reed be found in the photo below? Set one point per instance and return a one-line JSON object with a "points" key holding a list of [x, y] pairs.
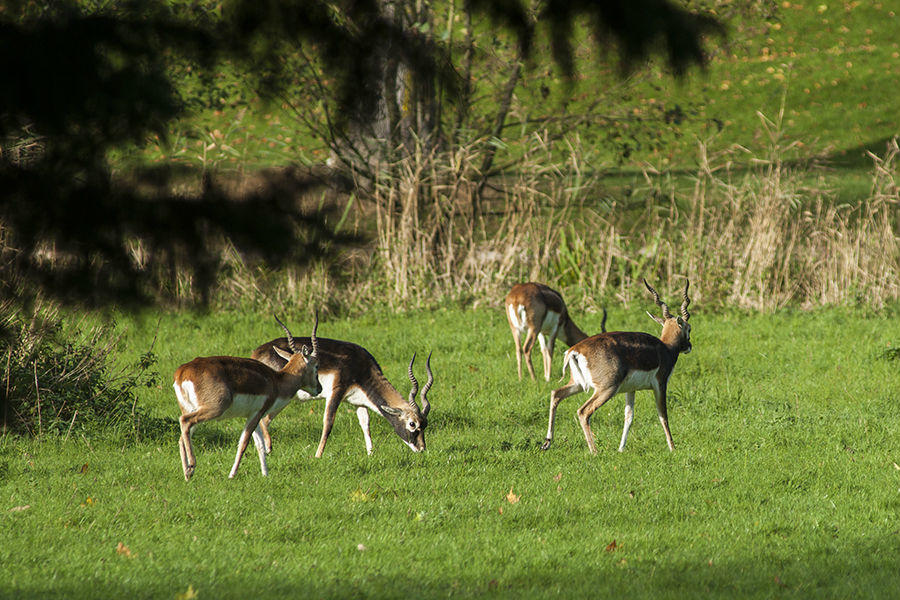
{"points": [[758, 233]]}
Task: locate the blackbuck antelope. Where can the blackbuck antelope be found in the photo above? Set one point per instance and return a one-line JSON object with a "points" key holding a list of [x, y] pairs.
{"points": [[349, 372], [221, 387], [624, 361], [539, 313]]}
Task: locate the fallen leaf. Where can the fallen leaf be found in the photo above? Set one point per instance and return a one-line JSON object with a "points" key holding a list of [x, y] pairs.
{"points": [[896, 466], [511, 498], [557, 477], [20, 508], [779, 582], [361, 547], [189, 594], [358, 495], [123, 550], [612, 546], [83, 468]]}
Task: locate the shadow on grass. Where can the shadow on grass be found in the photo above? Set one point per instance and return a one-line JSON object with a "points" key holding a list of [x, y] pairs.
{"points": [[859, 568]]}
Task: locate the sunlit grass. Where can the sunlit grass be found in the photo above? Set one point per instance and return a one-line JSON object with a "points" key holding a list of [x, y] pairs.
{"points": [[784, 479]]}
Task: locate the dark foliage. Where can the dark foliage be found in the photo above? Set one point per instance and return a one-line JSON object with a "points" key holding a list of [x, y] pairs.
{"points": [[81, 82], [636, 28]]}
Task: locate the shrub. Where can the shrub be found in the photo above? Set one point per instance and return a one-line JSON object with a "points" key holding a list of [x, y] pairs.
{"points": [[57, 381]]}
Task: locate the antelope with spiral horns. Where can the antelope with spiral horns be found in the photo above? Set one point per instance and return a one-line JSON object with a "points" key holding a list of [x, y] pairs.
{"points": [[625, 362], [349, 372], [539, 313], [221, 387]]}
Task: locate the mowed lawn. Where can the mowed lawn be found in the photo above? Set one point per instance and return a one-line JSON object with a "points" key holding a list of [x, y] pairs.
{"points": [[784, 481]]}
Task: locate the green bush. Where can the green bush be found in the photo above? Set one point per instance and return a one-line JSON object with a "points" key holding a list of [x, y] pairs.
{"points": [[56, 381]]}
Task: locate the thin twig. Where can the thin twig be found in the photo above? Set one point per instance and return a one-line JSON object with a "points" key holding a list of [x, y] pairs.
{"points": [[37, 391], [70, 426], [6, 395]]}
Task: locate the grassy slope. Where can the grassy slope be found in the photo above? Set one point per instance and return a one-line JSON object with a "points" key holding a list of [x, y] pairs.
{"points": [[784, 480], [836, 68]]}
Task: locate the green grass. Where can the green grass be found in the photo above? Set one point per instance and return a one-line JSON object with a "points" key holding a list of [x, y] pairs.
{"points": [[784, 482], [833, 64]]}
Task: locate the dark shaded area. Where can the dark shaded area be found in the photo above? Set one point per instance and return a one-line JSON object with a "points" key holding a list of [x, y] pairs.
{"points": [[848, 566], [86, 84], [80, 84], [636, 28]]}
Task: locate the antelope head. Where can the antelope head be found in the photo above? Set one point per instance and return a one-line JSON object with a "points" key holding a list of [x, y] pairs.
{"points": [[676, 331], [410, 421], [303, 361]]}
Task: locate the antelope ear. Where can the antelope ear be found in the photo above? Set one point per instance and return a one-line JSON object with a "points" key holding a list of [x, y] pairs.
{"points": [[655, 318], [305, 350], [390, 410], [282, 353]]}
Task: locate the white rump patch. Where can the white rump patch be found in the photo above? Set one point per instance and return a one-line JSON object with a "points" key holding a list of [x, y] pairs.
{"points": [[579, 368], [187, 396], [517, 317]]}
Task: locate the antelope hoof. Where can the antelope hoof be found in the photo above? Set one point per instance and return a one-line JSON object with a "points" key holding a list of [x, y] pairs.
{"points": [[188, 473], [546, 444]]}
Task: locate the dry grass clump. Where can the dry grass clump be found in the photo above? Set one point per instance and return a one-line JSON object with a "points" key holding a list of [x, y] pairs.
{"points": [[758, 237]]}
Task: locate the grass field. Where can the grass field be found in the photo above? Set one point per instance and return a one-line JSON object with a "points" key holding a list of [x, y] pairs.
{"points": [[784, 482], [831, 64]]}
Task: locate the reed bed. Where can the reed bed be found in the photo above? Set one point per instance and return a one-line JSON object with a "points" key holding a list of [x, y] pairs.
{"points": [[759, 237]]}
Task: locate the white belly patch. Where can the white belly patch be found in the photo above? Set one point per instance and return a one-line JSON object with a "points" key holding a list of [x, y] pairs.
{"points": [[551, 323], [548, 328], [518, 319], [244, 405], [354, 394], [326, 380], [639, 380], [357, 397]]}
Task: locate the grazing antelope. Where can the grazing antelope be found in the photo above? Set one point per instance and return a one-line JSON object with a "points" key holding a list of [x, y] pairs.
{"points": [[621, 361], [221, 387], [349, 372], [539, 313]]}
